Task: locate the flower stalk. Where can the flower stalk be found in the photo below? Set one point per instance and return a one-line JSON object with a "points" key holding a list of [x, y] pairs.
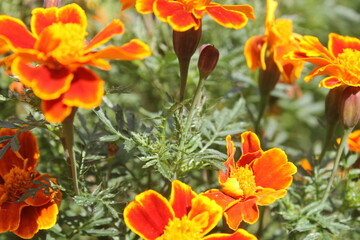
{"points": [[52, 3]]}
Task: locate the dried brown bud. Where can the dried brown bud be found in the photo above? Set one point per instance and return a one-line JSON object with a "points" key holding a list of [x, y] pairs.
{"points": [[209, 56], [350, 106]]}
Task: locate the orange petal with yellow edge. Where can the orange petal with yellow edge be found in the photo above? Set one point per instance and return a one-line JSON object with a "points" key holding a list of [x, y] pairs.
{"points": [[47, 215], [15, 33], [175, 14], [330, 82], [10, 216], [86, 90], [338, 43], [46, 83], [143, 6], [114, 28], [252, 51], [272, 170], [220, 198], [205, 212], [42, 18], [135, 49], [240, 234], [148, 214], [247, 211], [268, 195], [227, 18], [127, 4], [180, 198], [55, 111], [245, 9], [249, 143]]}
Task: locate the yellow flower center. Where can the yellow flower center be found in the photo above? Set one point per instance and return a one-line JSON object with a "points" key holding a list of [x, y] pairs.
{"points": [[182, 229], [72, 41], [246, 180], [17, 181], [350, 62]]}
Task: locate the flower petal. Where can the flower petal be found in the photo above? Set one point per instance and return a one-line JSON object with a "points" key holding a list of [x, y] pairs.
{"points": [[55, 111], [46, 83], [338, 43], [10, 216], [28, 225], [15, 33], [86, 90], [230, 162], [114, 28], [246, 211], [47, 215], [268, 195], [330, 82], [127, 4], [148, 214], [135, 49], [245, 9], [200, 205], [227, 18], [272, 170], [252, 51], [240, 234], [250, 147], [180, 198], [144, 6], [219, 197]]}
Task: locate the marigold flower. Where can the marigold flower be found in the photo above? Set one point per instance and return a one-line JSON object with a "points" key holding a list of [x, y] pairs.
{"points": [[50, 59], [21, 214], [185, 216], [257, 178], [353, 141], [267, 52], [183, 15], [340, 60]]}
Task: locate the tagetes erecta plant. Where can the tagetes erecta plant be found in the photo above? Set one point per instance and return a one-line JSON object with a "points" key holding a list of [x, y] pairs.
{"points": [[339, 61], [51, 58], [20, 212], [277, 41], [185, 216], [257, 178], [183, 15]]}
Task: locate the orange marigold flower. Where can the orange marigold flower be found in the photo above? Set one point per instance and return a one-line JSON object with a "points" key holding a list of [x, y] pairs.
{"points": [[339, 61], [185, 216], [183, 15], [21, 214], [278, 40], [257, 178], [50, 59], [353, 141]]}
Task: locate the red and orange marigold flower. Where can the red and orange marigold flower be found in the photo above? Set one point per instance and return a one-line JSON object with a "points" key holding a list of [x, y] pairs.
{"points": [[257, 178], [277, 41], [185, 216], [51, 58], [353, 141], [20, 212], [183, 15], [339, 61]]}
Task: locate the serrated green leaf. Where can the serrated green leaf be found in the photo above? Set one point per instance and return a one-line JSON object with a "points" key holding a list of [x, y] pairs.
{"points": [[109, 138]]}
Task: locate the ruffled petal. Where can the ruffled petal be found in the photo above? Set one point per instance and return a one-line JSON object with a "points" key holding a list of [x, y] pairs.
{"points": [[272, 170], [15, 33], [227, 18], [338, 43], [55, 111], [249, 143], [180, 198], [86, 90], [252, 51], [46, 83], [135, 49], [42, 18], [240, 234], [114, 28], [246, 211], [10, 216], [148, 215], [144, 6], [268, 195], [213, 213], [175, 14], [230, 162]]}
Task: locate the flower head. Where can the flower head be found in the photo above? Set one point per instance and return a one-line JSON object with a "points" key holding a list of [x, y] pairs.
{"points": [[20, 212], [340, 61], [267, 51], [257, 178], [185, 216], [51, 58], [353, 141], [183, 15]]}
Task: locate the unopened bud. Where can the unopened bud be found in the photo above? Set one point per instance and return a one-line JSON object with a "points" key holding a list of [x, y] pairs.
{"points": [[209, 56], [350, 106], [332, 100], [268, 77]]}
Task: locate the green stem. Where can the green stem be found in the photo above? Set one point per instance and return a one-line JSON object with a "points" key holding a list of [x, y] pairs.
{"points": [[260, 229], [262, 107], [184, 69], [336, 163], [68, 136], [329, 137]]}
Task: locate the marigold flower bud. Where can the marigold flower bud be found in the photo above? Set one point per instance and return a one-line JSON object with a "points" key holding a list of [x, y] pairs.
{"points": [[332, 100], [350, 106], [268, 77], [185, 43], [209, 56]]}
